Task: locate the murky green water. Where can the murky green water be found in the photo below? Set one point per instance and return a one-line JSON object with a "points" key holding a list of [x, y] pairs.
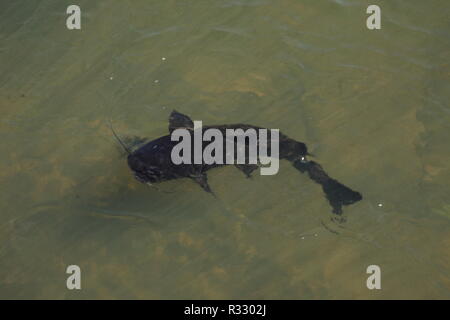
{"points": [[372, 105]]}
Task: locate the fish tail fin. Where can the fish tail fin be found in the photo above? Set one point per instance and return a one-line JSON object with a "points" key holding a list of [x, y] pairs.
{"points": [[336, 193]]}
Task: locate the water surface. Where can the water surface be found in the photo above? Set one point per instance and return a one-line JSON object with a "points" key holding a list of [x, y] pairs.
{"points": [[371, 105]]}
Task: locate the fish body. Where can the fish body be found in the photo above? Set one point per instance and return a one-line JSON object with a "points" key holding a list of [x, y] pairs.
{"points": [[152, 162]]}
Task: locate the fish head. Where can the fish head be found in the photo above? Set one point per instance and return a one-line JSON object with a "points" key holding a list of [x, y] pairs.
{"points": [[144, 171]]}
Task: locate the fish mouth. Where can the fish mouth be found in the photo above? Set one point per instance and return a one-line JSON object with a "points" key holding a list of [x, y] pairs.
{"points": [[140, 178], [145, 178]]}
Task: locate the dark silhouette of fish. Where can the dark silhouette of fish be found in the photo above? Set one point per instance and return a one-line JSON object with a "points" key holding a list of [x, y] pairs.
{"points": [[152, 162], [336, 193]]}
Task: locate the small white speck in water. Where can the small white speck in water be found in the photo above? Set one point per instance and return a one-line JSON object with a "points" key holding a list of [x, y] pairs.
{"points": [[380, 204], [303, 238], [111, 78], [163, 58], [156, 81]]}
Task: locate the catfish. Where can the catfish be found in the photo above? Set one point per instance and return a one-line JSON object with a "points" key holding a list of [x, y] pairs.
{"points": [[152, 162]]}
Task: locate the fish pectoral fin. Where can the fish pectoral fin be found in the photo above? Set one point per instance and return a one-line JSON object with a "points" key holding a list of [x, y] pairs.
{"points": [[178, 120], [202, 180], [247, 169]]}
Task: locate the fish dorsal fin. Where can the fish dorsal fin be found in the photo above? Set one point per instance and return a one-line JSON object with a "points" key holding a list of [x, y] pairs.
{"points": [[179, 121]]}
